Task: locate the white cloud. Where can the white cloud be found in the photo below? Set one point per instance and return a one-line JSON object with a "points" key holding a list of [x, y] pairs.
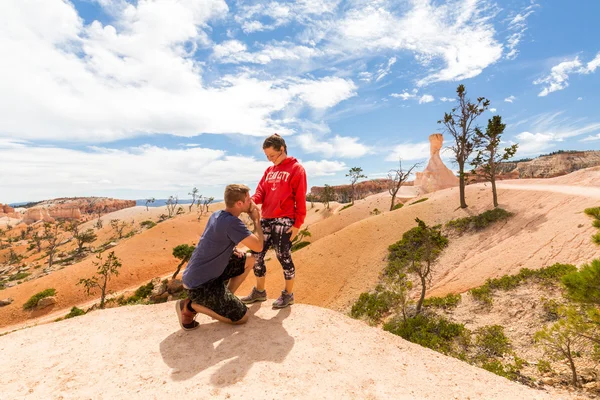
{"points": [[580, 98], [534, 143], [323, 168], [103, 83], [551, 129], [460, 34], [384, 70], [558, 79], [61, 172], [404, 96], [446, 99], [426, 98], [324, 93], [338, 146], [492, 110], [517, 26], [591, 138], [409, 152], [510, 99]]}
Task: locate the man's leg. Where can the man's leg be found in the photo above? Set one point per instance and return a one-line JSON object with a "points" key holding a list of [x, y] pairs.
{"points": [[218, 301], [236, 281], [207, 311]]}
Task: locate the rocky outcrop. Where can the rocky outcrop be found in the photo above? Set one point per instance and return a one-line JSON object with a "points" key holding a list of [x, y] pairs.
{"points": [[343, 193], [436, 175], [36, 214], [74, 208], [8, 211], [551, 165], [5, 209]]}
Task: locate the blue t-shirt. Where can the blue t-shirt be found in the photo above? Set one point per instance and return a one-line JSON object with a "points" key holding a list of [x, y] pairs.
{"points": [[223, 231]]}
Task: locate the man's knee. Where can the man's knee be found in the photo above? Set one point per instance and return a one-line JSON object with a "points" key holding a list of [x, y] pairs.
{"points": [[244, 319], [250, 260]]}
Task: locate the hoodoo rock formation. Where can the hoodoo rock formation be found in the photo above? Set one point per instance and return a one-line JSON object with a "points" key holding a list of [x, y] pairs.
{"points": [[436, 175]]}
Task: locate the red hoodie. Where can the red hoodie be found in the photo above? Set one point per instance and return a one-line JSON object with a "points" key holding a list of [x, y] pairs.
{"points": [[282, 191]]}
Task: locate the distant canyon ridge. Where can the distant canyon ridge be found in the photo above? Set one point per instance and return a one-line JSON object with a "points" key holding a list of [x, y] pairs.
{"points": [[74, 208], [544, 166]]}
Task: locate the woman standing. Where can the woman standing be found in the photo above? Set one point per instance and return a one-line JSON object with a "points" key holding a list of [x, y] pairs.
{"points": [[282, 193]]}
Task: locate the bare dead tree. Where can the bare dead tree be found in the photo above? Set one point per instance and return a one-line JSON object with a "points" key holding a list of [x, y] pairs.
{"points": [[397, 177]]}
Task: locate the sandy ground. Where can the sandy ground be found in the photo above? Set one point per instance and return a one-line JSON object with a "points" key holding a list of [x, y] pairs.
{"points": [[349, 247], [139, 352]]}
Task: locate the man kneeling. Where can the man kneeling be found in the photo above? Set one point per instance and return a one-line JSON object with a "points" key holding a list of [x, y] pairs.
{"points": [[216, 269]]}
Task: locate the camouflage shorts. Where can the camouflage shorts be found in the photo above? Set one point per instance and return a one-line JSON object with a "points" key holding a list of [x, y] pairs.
{"points": [[215, 296]]}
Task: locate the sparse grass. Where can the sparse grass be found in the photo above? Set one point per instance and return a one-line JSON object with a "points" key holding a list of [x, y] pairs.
{"points": [[140, 295], [18, 276], [398, 206], [299, 245], [548, 276], [147, 224], [447, 302], [478, 222], [33, 300], [346, 206], [419, 201], [75, 312]]}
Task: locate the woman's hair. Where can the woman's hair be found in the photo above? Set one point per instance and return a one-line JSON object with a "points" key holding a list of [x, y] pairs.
{"points": [[275, 141], [235, 193]]}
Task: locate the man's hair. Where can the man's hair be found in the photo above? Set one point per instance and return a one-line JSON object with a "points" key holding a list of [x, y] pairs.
{"points": [[275, 141], [234, 193]]}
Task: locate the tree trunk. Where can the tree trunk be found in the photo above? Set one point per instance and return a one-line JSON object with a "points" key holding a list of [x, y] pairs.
{"points": [[573, 370], [494, 193], [103, 294], [178, 268], [393, 200], [420, 303], [461, 186]]}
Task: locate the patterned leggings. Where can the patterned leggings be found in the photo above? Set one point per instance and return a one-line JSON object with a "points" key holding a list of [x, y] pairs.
{"points": [[274, 230]]}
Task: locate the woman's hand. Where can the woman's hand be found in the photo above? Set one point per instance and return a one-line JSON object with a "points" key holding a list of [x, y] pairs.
{"points": [[294, 232]]}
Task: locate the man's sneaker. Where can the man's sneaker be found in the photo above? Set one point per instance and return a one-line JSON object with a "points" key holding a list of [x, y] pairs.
{"points": [[254, 296], [286, 299]]}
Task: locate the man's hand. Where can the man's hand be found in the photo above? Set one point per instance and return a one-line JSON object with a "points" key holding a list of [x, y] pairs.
{"points": [[254, 213], [294, 232], [238, 253]]}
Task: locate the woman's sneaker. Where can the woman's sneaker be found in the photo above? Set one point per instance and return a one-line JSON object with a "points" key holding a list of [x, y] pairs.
{"points": [[286, 299], [254, 296]]}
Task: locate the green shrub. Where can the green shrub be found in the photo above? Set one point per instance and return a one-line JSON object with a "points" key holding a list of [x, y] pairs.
{"points": [[447, 302], [33, 300], [373, 305], [398, 206], [18, 276], [147, 224], [551, 309], [75, 312], [478, 222], [544, 366], [419, 201], [508, 371], [436, 333], [482, 294], [596, 238], [138, 297], [491, 341], [299, 245], [593, 212], [346, 206], [375, 211]]}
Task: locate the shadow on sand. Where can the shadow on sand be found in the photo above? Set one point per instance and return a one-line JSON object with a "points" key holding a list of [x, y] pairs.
{"points": [[189, 353]]}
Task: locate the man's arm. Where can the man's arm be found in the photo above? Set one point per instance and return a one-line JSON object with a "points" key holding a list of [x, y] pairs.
{"points": [[255, 241]]}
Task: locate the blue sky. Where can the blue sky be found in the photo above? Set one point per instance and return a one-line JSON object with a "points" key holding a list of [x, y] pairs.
{"points": [[151, 98]]}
